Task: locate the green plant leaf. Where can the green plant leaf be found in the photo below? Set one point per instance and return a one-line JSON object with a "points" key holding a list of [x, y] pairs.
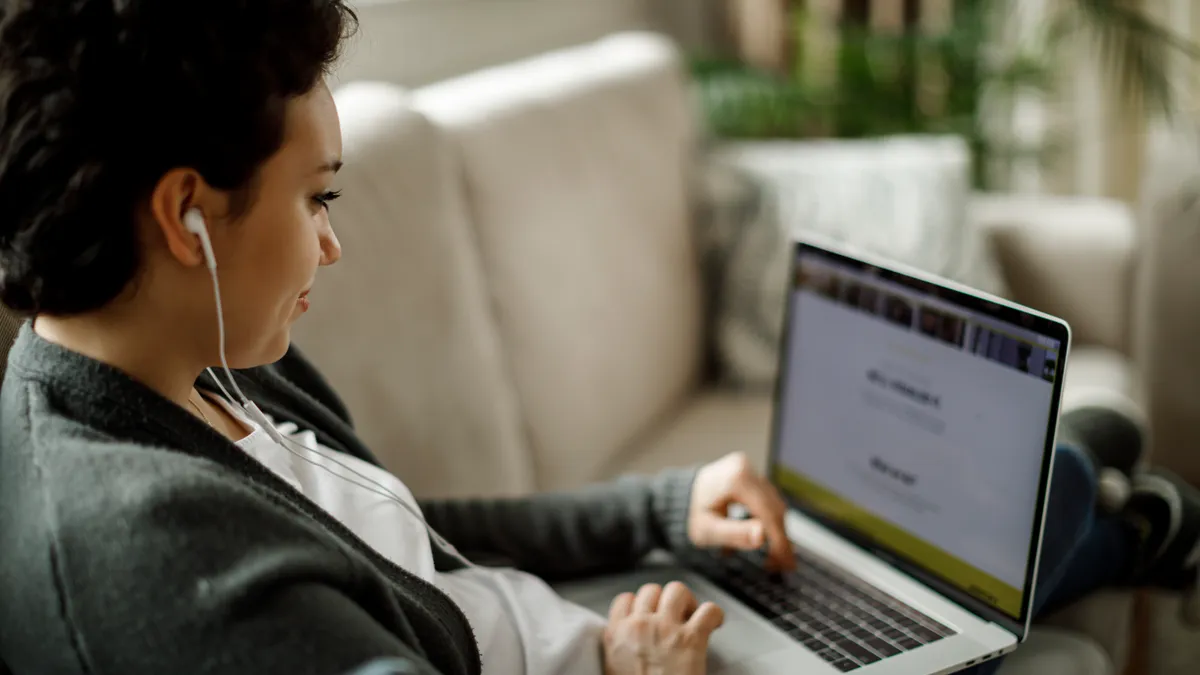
{"points": [[1136, 50], [1022, 71]]}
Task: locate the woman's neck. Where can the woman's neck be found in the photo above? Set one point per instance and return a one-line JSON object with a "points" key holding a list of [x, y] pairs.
{"points": [[153, 352]]}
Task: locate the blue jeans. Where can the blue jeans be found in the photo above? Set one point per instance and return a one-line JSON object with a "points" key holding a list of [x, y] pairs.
{"points": [[1081, 551]]}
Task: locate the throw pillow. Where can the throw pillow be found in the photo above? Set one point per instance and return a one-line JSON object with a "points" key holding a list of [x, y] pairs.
{"points": [[903, 198], [744, 251]]}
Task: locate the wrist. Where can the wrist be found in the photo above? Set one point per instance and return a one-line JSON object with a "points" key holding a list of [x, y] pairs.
{"points": [[671, 504]]}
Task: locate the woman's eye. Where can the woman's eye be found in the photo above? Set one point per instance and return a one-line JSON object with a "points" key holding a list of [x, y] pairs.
{"points": [[324, 198]]}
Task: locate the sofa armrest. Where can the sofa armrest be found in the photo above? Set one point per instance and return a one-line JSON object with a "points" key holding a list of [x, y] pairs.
{"points": [[1071, 257], [1106, 617]]}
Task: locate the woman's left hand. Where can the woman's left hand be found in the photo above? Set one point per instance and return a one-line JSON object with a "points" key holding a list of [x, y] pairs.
{"points": [[732, 480]]}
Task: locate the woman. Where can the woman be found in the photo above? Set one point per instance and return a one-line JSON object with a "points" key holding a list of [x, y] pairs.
{"points": [[153, 522]]}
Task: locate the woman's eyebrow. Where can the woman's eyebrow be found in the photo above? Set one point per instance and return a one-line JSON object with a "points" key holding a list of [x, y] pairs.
{"points": [[332, 165]]}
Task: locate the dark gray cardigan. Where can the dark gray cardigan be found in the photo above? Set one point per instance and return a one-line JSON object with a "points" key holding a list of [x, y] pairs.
{"points": [[135, 540]]}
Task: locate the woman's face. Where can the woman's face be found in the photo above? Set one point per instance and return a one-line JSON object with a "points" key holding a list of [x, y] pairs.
{"points": [[267, 259]]}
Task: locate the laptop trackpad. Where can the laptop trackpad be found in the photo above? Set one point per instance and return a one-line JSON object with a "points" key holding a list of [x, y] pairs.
{"points": [[742, 637]]}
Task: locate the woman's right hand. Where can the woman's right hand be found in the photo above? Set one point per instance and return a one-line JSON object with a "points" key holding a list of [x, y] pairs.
{"points": [[659, 631]]}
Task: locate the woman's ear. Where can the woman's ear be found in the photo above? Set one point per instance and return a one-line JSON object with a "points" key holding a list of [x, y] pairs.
{"points": [[177, 192]]}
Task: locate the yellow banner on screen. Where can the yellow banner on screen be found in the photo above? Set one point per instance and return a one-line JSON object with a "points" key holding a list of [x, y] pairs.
{"points": [[958, 572]]}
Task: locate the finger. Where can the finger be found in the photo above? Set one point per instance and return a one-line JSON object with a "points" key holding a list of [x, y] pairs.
{"points": [[646, 601], [713, 531], [621, 606], [677, 602], [706, 619], [773, 493], [765, 507], [787, 556]]}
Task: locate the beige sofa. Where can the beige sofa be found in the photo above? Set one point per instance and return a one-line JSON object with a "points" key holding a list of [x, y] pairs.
{"points": [[519, 306]]}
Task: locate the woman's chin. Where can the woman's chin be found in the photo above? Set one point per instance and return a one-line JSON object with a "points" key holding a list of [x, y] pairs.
{"points": [[263, 354], [280, 346]]}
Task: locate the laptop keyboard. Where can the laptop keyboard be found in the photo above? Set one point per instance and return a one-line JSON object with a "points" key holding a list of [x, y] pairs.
{"points": [[845, 621]]}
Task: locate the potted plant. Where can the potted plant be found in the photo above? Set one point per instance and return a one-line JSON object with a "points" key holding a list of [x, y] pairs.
{"points": [[883, 78]]}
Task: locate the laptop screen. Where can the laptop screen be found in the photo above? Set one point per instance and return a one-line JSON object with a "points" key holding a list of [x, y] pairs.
{"points": [[919, 418]]}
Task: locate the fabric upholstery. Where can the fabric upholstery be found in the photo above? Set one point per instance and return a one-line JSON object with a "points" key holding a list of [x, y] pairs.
{"points": [[1068, 256], [402, 325], [901, 197], [1106, 617], [712, 424], [1059, 652], [904, 197], [1167, 347], [746, 254], [575, 165], [1172, 648], [1168, 324], [1095, 371]]}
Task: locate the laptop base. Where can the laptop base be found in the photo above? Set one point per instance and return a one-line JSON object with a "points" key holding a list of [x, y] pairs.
{"points": [[749, 644]]}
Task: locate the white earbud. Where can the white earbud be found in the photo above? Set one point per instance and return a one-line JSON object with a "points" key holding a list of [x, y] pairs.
{"points": [[193, 220]]}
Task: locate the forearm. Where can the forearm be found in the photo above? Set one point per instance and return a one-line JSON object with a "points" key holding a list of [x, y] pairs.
{"points": [[604, 527]]}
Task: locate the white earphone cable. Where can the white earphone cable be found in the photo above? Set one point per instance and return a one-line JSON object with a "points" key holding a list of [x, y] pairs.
{"points": [[375, 486], [265, 423], [212, 271]]}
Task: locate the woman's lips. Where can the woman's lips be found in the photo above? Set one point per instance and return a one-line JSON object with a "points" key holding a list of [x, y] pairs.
{"points": [[303, 301]]}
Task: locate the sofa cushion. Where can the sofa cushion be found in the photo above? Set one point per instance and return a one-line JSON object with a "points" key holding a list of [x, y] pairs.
{"points": [[1096, 373], [1106, 617], [575, 164], [746, 254], [1052, 650], [1073, 257], [903, 197], [401, 325], [714, 423]]}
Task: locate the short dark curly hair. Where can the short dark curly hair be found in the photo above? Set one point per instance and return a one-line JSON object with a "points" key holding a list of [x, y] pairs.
{"points": [[100, 98]]}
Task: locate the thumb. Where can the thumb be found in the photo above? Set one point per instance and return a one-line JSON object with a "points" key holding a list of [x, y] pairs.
{"points": [[713, 531]]}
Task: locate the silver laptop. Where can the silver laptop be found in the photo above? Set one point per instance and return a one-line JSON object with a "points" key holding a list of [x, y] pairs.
{"points": [[913, 434]]}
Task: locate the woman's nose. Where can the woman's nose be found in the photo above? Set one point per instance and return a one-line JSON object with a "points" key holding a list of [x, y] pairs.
{"points": [[331, 249]]}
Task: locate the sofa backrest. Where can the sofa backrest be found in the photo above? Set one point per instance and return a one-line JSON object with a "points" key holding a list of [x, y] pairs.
{"points": [[576, 168], [402, 326]]}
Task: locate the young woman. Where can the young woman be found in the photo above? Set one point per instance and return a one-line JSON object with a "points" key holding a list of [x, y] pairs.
{"points": [[153, 520]]}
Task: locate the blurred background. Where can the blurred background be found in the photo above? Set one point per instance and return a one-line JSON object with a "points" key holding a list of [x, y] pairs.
{"points": [[1057, 95], [572, 221]]}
